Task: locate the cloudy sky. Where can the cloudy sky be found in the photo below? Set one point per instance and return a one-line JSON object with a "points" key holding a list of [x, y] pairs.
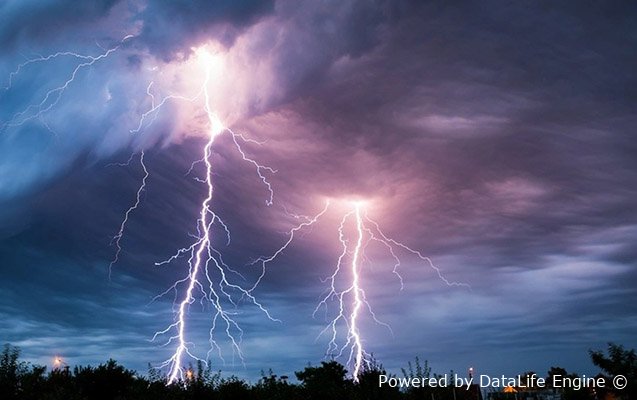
{"points": [[493, 138]]}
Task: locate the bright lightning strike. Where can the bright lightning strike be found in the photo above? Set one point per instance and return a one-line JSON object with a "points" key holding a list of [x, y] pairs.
{"points": [[352, 300], [207, 272], [357, 346], [354, 291], [208, 275]]}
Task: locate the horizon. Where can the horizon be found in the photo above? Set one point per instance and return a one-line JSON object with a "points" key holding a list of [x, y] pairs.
{"points": [[495, 382]]}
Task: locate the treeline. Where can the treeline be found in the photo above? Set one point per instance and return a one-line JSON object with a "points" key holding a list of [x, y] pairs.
{"points": [[24, 381]]}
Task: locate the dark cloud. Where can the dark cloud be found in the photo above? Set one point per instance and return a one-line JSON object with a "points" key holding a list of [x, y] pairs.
{"points": [[172, 28], [25, 22]]}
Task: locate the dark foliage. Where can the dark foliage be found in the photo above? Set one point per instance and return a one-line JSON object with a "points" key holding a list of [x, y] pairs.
{"points": [[619, 361], [329, 380], [325, 382]]}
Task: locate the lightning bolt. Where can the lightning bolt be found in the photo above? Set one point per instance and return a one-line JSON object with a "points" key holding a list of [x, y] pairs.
{"points": [[209, 277], [207, 272], [353, 340], [120, 234], [352, 300], [355, 337], [53, 96]]}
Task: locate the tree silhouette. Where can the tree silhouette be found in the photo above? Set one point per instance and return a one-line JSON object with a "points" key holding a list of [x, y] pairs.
{"points": [[420, 371], [11, 371], [368, 387], [269, 387], [568, 392], [20, 380], [234, 388], [107, 381], [325, 382], [618, 362]]}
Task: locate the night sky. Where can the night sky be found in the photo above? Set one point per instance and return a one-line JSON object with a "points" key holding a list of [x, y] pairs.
{"points": [[496, 138]]}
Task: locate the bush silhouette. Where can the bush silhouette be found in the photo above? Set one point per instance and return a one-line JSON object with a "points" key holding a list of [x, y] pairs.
{"points": [[110, 381]]}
